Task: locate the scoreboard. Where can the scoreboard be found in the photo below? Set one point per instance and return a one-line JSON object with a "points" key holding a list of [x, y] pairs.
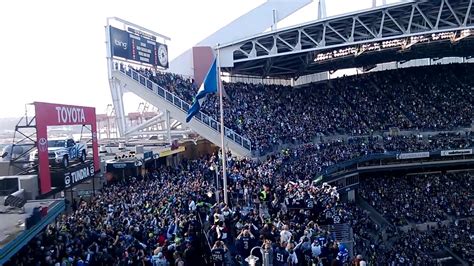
{"points": [[139, 47]]}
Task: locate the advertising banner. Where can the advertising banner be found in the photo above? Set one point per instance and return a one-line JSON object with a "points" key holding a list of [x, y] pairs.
{"points": [[52, 114], [70, 177], [78, 174], [413, 155], [456, 152], [148, 155], [120, 43], [110, 167]]}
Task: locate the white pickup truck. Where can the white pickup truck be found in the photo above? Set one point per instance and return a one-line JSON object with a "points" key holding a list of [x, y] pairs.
{"points": [[62, 151]]}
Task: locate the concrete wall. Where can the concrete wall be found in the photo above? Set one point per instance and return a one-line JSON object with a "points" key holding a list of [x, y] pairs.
{"points": [[6, 169], [30, 184], [195, 151], [27, 182]]}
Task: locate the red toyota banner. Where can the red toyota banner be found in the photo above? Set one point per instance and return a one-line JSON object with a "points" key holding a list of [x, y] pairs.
{"points": [[52, 114]]}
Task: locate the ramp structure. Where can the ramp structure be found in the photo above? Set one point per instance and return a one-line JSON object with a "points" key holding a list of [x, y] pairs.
{"points": [[123, 43]]}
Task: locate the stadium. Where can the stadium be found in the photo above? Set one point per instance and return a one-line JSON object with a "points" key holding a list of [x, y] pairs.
{"points": [[347, 140]]}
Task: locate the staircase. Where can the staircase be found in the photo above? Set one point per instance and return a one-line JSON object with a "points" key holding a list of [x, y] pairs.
{"points": [[373, 213], [202, 124], [343, 234]]}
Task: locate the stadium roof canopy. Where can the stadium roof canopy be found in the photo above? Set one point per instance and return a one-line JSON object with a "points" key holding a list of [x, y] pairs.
{"points": [[397, 32]]}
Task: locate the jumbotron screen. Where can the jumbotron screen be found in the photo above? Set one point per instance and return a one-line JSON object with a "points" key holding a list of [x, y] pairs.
{"points": [[139, 47]]}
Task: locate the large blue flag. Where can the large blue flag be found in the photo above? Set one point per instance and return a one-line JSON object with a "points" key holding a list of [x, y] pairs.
{"points": [[209, 85]]}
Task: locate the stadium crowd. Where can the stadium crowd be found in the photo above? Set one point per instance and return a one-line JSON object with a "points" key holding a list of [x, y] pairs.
{"points": [[159, 219], [403, 199], [309, 159], [417, 247], [169, 216], [356, 105], [137, 221]]}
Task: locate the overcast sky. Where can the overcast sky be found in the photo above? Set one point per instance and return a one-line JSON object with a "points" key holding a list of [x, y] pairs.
{"points": [[54, 51]]}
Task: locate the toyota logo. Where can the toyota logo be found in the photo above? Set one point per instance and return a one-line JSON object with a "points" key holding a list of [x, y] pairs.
{"points": [[43, 145]]}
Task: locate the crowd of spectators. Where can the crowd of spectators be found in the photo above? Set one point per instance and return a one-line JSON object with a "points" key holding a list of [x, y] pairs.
{"points": [[423, 245], [169, 216], [159, 219], [179, 85], [286, 223], [440, 141], [420, 198], [308, 160], [269, 115], [432, 97], [137, 221], [459, 237], [416, 247]]}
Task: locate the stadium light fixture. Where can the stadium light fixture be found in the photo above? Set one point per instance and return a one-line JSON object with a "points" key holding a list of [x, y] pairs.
{"points": [[252, 260], [408, 45], [359, 52], [463, 34]]}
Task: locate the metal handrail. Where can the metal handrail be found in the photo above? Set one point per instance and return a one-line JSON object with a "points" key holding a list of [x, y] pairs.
{"points": [[206, 234], [184, 106]]}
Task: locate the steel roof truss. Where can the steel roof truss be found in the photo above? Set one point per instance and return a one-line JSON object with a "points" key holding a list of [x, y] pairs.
{"points": [[391, 30], [411, 19], [365, 26], [419, 26], [337, 32], [382, 21], [395, 22], [244, 52], [311, 38], [468, 13], [334, 39], [249, 68], [439, 14], [424, 16], [452, 24], [452, 12], [268, 67], [306, 60], [283, 68], [391, 22], [352, 30], [263, 47], [286, 43]]}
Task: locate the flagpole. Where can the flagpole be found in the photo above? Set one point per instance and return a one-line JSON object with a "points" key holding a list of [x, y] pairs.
{"points": [[224, 168]]}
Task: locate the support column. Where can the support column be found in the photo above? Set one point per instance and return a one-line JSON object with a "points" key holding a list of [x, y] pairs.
{"points": [[274, 19], [93, 185], [321, 9], [351, 195], [117, 99], [116, 89], [168, 126]]}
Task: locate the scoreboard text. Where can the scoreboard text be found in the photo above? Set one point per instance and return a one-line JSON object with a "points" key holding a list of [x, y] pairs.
{"points": [[137, 47]]}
